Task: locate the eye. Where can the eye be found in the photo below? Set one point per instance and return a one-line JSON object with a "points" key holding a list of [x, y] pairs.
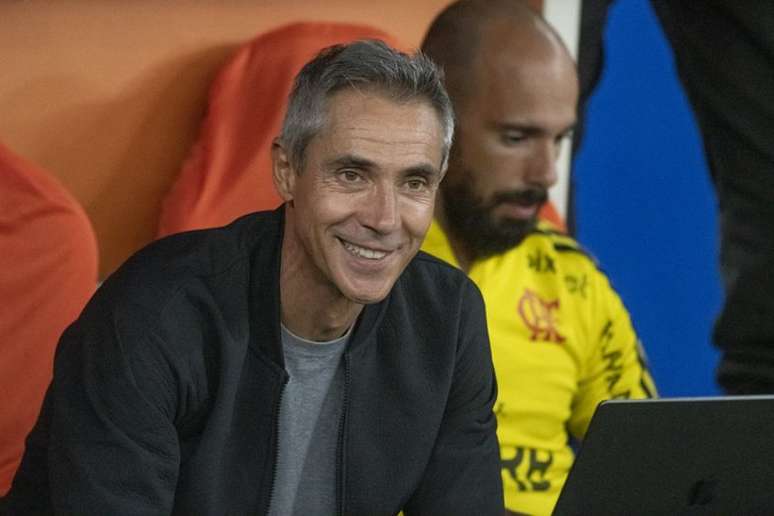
{"points": [[350, 176], [512, 137], [416, 184]]}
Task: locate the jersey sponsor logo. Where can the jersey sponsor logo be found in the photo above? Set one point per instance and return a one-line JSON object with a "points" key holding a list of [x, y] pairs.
{"points": [[539, 316], [529, 468], [541, 262], [577, 284]]}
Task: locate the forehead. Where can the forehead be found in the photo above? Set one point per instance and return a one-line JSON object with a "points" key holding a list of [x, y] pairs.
{"points": [[392, 134], [541, 88]]}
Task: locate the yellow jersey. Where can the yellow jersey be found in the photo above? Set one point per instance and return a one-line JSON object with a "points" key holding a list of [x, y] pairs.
{"points": [[562, 342]]}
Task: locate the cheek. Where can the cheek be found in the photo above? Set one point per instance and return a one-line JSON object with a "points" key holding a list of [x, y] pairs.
{"points": [[417, 217], [498, 159], [326, 208], [503, 173]]}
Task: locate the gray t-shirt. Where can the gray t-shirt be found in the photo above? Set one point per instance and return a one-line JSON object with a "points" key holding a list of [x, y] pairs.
{"points": [[305, 479]]}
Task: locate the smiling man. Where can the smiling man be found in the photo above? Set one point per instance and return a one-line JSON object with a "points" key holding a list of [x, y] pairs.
{"points": [[302, 361], [562, 341]]}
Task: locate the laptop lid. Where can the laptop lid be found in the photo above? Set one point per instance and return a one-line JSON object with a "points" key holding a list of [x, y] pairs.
{"points": [[675, 456]]}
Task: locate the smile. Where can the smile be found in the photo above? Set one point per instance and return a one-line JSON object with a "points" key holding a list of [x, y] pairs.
{"points": [[363, 252]]}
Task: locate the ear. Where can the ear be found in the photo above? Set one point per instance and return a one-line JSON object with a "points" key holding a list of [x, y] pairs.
{"points": [[282, 172]]}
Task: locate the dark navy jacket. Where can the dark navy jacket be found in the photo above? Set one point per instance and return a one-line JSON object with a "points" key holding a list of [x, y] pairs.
{"points": [[166, 391]]}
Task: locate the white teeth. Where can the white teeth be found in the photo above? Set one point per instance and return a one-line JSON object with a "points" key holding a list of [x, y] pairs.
{"points": [[363, 252]]}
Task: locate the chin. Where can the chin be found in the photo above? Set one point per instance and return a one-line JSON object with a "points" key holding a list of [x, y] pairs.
{"points": [[367, 296], [367, 299]]}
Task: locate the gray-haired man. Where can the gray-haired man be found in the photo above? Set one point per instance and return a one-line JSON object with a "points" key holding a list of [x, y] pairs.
{"points": [[301, 361]]}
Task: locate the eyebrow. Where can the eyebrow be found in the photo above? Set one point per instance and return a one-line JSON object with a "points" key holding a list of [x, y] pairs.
{"points": [[353, 161], [529, 128], [424, 171], [350, 161]]}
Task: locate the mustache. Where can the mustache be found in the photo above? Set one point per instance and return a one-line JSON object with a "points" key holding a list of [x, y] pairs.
{"points": [[527, 196]]}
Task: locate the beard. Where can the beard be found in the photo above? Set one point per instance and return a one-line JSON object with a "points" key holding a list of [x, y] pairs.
{"points": [[470, 219]]}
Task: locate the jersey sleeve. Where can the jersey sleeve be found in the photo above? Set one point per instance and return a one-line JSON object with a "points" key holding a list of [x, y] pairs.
{"points": [[615, 366]]}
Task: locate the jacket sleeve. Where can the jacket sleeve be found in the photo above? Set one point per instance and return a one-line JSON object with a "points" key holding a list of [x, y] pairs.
{"points": [[113, 447], [616, 365], [463, 476]]}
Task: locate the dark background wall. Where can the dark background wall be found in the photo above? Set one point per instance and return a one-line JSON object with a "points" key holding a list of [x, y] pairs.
{"points": [[645, 205]]}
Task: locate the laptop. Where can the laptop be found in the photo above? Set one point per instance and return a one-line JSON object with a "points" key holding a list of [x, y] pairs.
{"points": [[707, 456]]}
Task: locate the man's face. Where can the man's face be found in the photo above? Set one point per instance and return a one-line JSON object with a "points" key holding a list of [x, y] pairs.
{"points": [[365, 198], [509, 129]]}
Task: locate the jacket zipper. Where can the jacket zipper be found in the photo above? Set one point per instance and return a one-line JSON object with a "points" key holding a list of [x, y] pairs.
{"points": [[275, 451], [342, 441]]}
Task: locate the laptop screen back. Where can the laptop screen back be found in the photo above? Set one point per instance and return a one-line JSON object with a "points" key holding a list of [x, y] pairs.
{"points": [[675, 456]]}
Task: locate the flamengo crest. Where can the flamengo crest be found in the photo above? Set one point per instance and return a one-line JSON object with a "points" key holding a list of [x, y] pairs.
{"points": [[540, 317]]}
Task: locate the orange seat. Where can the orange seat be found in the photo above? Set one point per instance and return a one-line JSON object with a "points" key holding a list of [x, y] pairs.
{"points": [[48, 270], [548, 212]]}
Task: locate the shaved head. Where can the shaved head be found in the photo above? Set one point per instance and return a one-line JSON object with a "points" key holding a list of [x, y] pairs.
{"points": [[466, 32], [514, 88]]}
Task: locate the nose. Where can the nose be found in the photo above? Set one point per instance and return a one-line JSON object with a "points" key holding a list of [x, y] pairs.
{"points": [[380, 209], [542, 166]]}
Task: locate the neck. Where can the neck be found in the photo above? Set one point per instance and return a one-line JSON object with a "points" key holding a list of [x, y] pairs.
{"points": [[314, 317], [311, 306]]}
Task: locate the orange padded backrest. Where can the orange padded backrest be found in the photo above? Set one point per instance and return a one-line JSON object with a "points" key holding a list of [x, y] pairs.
{"points": [[48, 270], [228, 171], [549, 213]]}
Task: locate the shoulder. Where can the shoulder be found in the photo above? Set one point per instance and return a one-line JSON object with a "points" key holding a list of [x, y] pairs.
{"points": [[206, 250], [426, 263], [557, 263], [552, 256], [178, 299], [433, 286], [201, 252], [546, 250], [186, 265], [434, 273], [547, 237]]}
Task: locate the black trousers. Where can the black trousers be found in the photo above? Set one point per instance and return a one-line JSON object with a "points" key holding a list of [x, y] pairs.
{"points": [[724, 52]]}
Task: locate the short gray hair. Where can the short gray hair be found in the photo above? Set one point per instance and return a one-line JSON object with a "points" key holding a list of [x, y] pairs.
{"points": [[369, 65]]}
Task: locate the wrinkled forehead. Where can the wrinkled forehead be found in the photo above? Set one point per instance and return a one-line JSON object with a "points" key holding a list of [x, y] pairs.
{"points": [[396, 96], [350, 104], [370, 126]]}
